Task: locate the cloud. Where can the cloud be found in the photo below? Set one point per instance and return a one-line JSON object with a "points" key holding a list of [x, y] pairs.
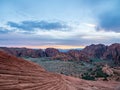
{"points": [[78, 34], [31, 25], [110, 21], [109, 17], [4, 30], [90, 25], [105, 12]]}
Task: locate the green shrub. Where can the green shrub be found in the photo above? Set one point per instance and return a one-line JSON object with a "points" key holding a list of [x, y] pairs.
{"points": [[100, 73], [92, 74], [86, 76]]}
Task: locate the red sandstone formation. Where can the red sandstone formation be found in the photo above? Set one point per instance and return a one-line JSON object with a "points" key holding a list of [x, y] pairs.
{"points": [[95, 51], [113, 53], [62, 56], [18, 74], [50, 52], [75, 54], [100, 51], [24, 52], [78, 55]]}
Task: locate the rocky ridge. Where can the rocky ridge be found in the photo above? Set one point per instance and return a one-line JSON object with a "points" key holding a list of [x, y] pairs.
{"points": [[100, 51]]}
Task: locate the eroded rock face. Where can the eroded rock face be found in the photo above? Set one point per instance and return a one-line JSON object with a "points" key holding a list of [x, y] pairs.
{"points": [[100, 51], [50, 52], [78, 55], [113, 53], [24, 52], [18, 74], [72, 55], [95, 51], [62, 56], [75, 54]]}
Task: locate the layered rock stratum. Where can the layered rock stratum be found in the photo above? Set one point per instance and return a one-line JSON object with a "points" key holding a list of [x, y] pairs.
{"points": [[18, 74]]}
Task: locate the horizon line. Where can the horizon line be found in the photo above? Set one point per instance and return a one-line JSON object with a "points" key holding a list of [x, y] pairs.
{"points": [[49, 46]]}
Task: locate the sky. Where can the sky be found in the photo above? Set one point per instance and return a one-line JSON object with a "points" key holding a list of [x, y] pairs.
{"points": [[59, 23]]}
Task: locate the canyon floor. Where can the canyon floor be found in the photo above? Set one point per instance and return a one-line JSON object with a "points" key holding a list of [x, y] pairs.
{"points": [[80, 69]]}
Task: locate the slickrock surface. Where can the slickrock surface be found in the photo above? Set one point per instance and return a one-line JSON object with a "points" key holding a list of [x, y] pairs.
{"points": [[18, 74]]}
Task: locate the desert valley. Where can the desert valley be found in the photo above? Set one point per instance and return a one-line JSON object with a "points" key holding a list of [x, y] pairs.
{"points": [[59, 44], [96, 67]]}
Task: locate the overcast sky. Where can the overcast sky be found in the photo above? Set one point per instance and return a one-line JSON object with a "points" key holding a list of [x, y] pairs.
{"points": [[59, 23]]}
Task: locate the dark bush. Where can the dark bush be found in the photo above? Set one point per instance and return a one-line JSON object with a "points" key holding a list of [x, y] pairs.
{"points": [[86, 76]]}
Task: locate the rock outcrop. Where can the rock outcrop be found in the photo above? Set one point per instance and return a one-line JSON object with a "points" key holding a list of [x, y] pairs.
{"points": [[50, 52], [24, 52], [72, 55], [75, 54], [78, 55], [95, 51], [18, 74], [62, 56], [99, 51], [106, 69], [113, 53]]}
